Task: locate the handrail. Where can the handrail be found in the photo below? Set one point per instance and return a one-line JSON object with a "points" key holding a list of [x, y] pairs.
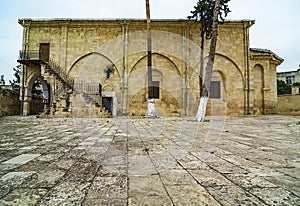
{"points": [[29, 54], [58, 70], [90, 91], [86, 88]]}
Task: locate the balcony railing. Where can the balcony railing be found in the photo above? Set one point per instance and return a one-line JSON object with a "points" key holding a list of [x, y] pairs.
{"points": [[28, 55], [33, 55]]}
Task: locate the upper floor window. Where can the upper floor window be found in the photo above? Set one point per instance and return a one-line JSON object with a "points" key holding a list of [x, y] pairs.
{"points": [[290, 79]]}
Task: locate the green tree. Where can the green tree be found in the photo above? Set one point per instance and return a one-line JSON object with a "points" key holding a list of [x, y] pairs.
{"points": [[208, 13], [283, 88], [15, 83], [204, 13], [2, 81]]}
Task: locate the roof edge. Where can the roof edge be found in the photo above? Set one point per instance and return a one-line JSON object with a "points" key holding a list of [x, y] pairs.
{"points": [[267, 51], [21, 20]]}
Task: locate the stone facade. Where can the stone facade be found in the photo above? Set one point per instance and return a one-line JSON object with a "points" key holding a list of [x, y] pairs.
{"points": [[83, 49]]}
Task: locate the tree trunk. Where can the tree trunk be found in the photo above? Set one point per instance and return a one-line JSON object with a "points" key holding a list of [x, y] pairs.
{"points": [[201, 61], [151, 108], [200, 116]]}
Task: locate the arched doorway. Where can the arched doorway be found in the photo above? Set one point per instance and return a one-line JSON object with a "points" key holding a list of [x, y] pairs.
{"points": [[39, 91]]}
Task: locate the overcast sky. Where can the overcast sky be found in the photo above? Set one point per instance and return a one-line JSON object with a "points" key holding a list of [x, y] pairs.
{"points": [[277, 26]]}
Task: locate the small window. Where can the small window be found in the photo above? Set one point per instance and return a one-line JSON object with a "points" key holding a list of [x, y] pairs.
{"points": [[215, 90], [290, 79]]}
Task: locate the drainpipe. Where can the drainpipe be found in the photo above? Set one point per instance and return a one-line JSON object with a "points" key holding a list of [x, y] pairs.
{"points": [[185, 72], [23, 67], [123, 65], [248, 65]]}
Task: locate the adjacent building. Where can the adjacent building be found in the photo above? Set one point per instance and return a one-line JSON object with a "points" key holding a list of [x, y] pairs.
{"points": [[289, 77]]}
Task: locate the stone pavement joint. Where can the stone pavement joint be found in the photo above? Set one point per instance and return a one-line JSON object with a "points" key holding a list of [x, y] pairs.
{"points": [[251, 160]]}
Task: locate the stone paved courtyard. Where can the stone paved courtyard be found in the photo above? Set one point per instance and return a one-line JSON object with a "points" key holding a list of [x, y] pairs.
{"points": [[138, 161]]}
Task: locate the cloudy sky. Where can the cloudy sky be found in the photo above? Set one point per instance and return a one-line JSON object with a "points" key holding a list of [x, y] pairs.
{"points": [[277, 24]]}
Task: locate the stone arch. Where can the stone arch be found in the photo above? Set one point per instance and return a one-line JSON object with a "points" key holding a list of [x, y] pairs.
{"points": [[46, 90], [233, 83], [36, 104], [216, 56], [153, 55], [89, 67], [217, 106], [170, 80], [168, 105], [258, 86]]}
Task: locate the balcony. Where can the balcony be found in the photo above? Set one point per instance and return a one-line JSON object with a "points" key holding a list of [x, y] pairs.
{"points": [[35, 57]]}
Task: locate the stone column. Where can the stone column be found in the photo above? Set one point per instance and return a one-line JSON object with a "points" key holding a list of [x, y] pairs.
{"points": [[26, 106]]}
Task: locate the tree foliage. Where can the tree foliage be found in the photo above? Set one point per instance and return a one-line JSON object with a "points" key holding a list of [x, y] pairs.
{"points": [[283, 88], [204, 13], [15, 83], [208, 13], [2, 81]]}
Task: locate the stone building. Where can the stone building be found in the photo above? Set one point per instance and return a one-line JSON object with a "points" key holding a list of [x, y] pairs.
{"points": [[98, 67], [289, 77]]}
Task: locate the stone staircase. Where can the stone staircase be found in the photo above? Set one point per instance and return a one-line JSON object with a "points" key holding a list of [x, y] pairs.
{"points": [[72, 99]]}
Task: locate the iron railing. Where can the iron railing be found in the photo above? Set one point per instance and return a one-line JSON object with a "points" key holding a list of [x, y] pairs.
{"points": [[86, 88], [30, 54], [91, 91], [60, 73]]}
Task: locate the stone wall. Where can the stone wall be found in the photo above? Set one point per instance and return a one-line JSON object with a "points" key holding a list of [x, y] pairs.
{"points": [[288, 104], [9, 102], [84, 48]]}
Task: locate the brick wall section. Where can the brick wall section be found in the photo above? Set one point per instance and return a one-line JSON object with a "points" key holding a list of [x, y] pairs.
{"points": [[9, 102], [288, 104]]}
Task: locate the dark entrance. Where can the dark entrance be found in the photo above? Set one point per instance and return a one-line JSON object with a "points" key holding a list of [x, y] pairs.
{"points": [[45, 51], [107, 103]]}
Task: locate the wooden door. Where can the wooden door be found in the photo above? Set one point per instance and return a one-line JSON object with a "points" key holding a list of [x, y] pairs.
{"points": [[44, 51]]}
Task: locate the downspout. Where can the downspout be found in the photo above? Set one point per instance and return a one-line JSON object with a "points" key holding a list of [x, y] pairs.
{"points": [[185, 72], [248, 68], [23, 67], [123, 66]]}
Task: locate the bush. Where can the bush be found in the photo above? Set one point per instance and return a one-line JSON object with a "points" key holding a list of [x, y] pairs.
{"points": [[283, 88]]}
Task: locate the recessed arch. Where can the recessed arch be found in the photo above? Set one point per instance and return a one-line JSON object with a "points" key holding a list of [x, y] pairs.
{"points": [[96, 53], [222, 56], [153, 54], [258, 86], [35, 76]]}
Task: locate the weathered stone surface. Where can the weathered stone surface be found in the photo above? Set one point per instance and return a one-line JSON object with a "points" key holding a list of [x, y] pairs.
{"points": [[23, 197], [84, 48], [253, 161], [21, 159], [197, 195], [9, 102]]}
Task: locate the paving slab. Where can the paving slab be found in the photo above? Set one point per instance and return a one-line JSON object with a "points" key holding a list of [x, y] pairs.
{"points": [[249, 160]]}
